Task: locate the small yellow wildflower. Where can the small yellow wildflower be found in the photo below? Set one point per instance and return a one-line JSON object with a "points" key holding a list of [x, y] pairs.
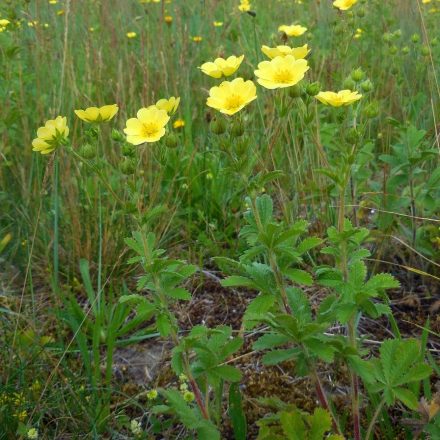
{"points": [[244, 6], [294, 30], [60, 12], [95, 114], [179, 123], [343, 97], [32, 434], [135, 427], [188, 396], [358, 33], [4, 22], [217, 23], [197, 39], [131, 34], [170, 105], [281, 72], [168, 19], [21, 415], [51, 136], [282, 51], [91, 29], [231, 96], [344, 5], [53, 2], [148, 126], [152, 394], [222, 67]]}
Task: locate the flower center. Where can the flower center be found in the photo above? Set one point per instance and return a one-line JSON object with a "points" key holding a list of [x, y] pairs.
{"points": [[283, 76], [233, 101], [150, 129]]}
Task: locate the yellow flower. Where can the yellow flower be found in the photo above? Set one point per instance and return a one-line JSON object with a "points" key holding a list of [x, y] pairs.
{"points": [[169, 105], [131, 34], [343, 5], [197, 39], [343, 97], [358, 33], [95, 114], [51, 136], [222, 67], [60, 12], [244, 6], [148, 126], [53, 2], [231, 96], [32, 434], [4, 22], [152, 394], [282, 51], [217, 23], [281, 72], [294, 30], [168, 19], [179, 123]]}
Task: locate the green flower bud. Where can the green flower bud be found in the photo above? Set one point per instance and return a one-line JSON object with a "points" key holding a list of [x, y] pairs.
{"points": [[172, 140], [393, 50], [372, 110], [415, 38], [349, 84], [366, 86], [357, 75], [92, 132], [434, 41], [218, 126], [361, 12], [394, 70], [87, 151], [397, 33], [296, 91], [313, 88], [117, 135], [425, 51], [387, 37], [405, 50], [128, 166], [352, 136], [237, 129], [128, 150]]}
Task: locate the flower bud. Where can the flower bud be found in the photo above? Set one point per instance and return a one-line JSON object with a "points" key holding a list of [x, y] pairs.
{"points": [[237, 129], [218, 126], [425, 51], [434, 41], [313, 88], [394, 70], [117, 135], [387, 37], [172, 140], [349, 84], [128, 150], [296, 91], [87, 151], [415, 38], [372, 110], [128, 166], [393, 50], [357, 75], [397, 33], [352, 136], [361, 12], [405, 50], [366, 86]]}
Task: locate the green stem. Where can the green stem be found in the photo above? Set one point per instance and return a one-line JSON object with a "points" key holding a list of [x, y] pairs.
{"points": [[55, 224], [374, 419]]}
